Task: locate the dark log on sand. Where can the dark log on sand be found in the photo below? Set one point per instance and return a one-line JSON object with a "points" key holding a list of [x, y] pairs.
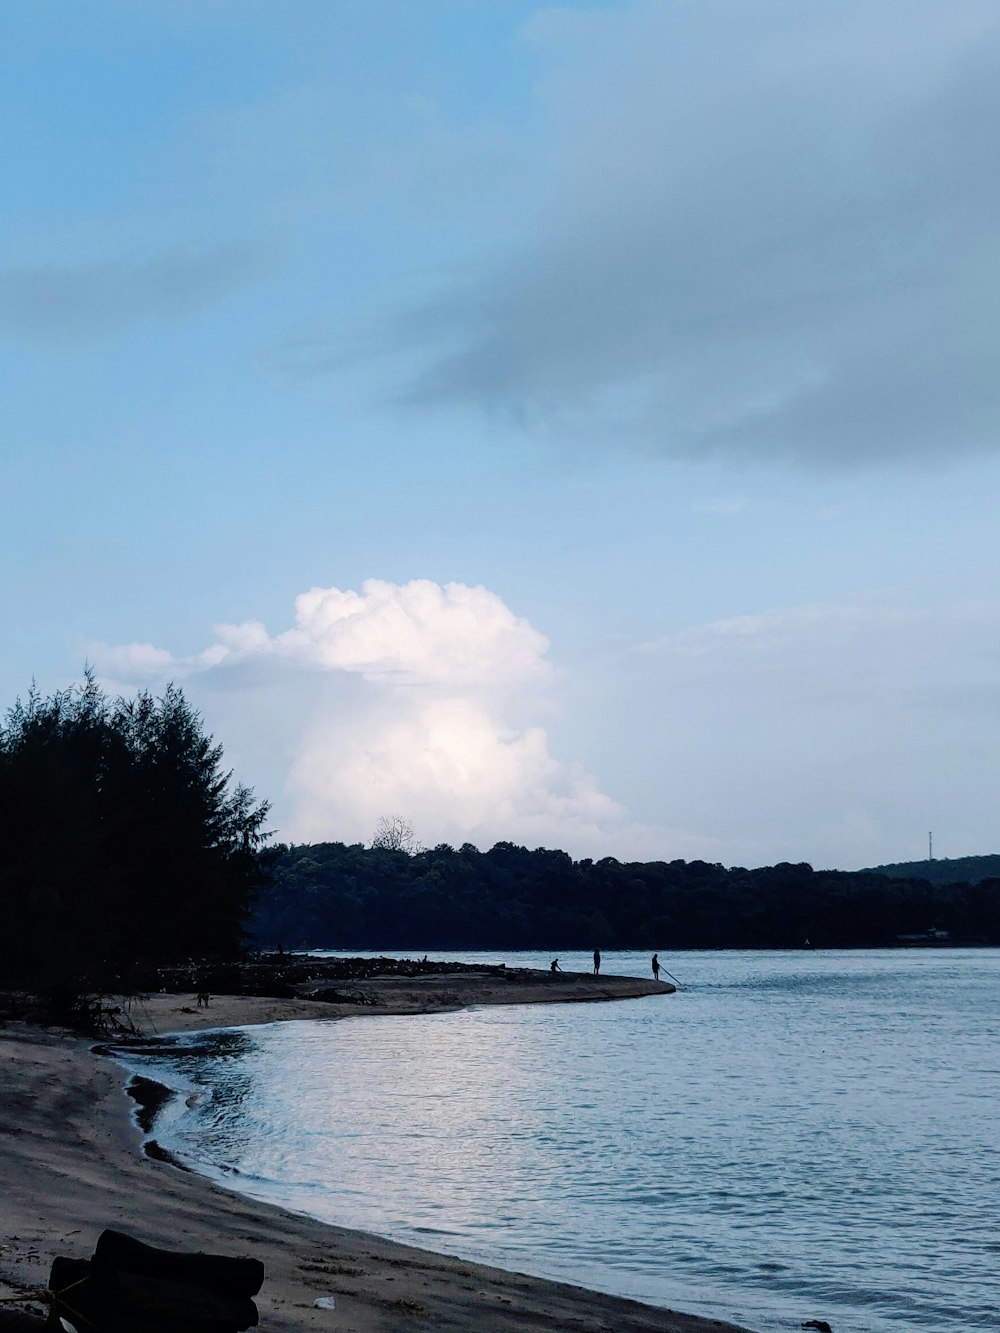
{"points": [[236, 1276], [129, 1287]]}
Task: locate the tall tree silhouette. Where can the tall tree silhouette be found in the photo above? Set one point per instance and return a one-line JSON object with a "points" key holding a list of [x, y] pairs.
{"points": [[127, 840]]}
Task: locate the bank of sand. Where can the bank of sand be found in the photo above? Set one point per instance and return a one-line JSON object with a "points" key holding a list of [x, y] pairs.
{"points": [[72, 1164]]}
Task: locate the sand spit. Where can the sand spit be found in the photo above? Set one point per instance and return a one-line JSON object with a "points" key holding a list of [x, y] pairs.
{"points": [[393, 995], [72, 1164]]}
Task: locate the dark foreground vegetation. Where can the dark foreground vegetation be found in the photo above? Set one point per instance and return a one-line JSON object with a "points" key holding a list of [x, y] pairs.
{"points": [[125, 841], [338, 896]]}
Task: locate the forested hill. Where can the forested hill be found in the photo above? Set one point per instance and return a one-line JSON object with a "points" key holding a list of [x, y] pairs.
{"points": [[959, 870], [337, 896]]}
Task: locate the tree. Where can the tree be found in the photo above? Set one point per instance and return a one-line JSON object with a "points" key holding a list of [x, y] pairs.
{"points": [[394, 833], [127, 839]]}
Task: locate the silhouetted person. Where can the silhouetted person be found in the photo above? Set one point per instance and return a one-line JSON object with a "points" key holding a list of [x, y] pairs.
{"points": [[203, 998], [597, 961], [554, 966], [656, 967]]}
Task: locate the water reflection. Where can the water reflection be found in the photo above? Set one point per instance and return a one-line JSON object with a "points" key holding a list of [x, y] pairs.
{"points": [[792, 1134], [211, 1077]]}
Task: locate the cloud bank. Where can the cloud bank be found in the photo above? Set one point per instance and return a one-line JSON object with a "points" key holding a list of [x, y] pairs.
{"points": [[838, 732], [425, 700], [769, 234]]}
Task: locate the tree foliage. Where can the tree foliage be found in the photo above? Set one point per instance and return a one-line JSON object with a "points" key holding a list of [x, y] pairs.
{"points": [[945, 870], [333, 895], [126, 840]]}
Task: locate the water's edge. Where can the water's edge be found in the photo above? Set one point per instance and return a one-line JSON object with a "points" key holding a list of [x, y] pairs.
{"points": [[789, 1138]]}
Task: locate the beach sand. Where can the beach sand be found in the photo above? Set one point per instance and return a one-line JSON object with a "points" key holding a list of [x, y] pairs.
{"points": [[71, 1164]]}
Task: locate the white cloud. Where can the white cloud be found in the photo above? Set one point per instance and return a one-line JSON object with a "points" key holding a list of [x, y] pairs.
{"points": [[875, 649], [417, 633], [460, 775], [421, 632], [834, 732], [440, 722], [132, 662]]}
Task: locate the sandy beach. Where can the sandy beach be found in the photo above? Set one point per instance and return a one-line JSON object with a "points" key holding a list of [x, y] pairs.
{"points": [[72, 1165]]}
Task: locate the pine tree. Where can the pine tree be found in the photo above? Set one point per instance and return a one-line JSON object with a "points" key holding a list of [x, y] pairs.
{"points": [[126, 839]]}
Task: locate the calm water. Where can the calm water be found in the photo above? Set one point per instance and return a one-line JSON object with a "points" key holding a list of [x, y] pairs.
{"points": [[792, 1136]]}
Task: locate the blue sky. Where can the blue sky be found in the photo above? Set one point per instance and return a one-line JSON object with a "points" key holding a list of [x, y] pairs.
{"points": [[575, 424]]}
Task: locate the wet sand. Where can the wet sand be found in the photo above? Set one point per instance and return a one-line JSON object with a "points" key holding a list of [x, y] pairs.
{"points": [[71, 1163]]}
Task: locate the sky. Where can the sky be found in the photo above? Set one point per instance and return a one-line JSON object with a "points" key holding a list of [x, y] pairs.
{"points": [[574, 425]]}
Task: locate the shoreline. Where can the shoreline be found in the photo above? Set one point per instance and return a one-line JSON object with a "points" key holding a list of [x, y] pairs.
{"points": [[393, 995], [75, 1164]]}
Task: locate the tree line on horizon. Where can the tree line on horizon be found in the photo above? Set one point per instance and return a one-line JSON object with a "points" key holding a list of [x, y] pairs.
{"points": [[944, 870], [335, 895], [126, 844]]}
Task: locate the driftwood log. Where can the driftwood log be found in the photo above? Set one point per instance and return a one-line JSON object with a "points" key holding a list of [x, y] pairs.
{"points": [[129, 1287], [16, 1321]]}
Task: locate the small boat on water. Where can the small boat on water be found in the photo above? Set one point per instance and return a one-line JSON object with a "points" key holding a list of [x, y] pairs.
{"points": [[925, 937]]}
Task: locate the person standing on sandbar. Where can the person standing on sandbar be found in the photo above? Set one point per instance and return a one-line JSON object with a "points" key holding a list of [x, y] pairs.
{"points": [[656, 967], [597, 961]]}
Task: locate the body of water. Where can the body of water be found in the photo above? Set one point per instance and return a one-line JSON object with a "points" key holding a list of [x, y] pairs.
{"points": [[792, 1136]]}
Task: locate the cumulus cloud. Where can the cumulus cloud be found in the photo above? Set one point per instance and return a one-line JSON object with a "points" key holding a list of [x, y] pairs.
{"points": [[420, 632], [56, 303], [837, 732], [426, 700], [769, 232], [417, 633], [460, 774]]}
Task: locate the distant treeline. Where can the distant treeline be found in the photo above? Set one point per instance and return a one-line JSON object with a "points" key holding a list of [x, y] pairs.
{"points": [[338, 896], [957, 870], [124, 844]]}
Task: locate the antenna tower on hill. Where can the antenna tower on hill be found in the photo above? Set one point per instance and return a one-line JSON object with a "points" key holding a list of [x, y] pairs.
{"points": [[930, 846]]}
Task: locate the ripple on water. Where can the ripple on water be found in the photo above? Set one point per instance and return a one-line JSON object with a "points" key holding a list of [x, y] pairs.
{"points": [[790, 1136]]}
